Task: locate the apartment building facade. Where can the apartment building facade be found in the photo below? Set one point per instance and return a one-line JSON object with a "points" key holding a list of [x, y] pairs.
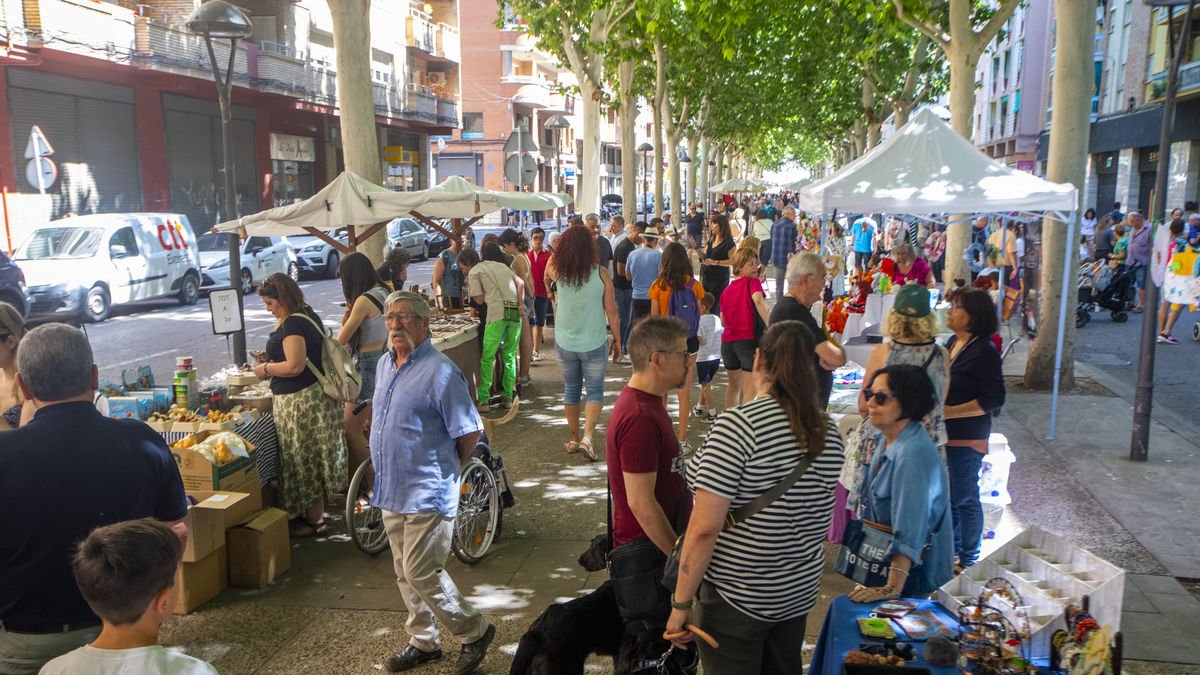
{"points": [[125, 96]]}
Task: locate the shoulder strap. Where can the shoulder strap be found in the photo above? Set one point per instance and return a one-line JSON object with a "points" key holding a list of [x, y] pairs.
{"points": [[747, 510], [374, 300], [319, 327], [932, 353]]}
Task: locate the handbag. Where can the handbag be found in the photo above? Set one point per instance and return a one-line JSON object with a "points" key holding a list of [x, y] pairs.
{"points": [[863, 553], [742, 513], [760, 326]]}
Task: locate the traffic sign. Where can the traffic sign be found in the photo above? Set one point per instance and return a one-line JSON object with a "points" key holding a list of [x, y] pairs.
{"points": [[41, 172], [520, 169], [37, 146]]}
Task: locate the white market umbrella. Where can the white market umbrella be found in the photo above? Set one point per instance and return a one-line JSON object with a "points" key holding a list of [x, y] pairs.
{"points": [[734, 185]]}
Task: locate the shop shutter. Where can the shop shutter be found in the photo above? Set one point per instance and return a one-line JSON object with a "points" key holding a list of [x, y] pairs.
{"points": [[91, 127]]}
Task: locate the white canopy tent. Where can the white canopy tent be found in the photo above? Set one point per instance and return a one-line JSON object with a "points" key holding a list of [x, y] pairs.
{"points": [[738, 185], [352, 200], [928, 168]]}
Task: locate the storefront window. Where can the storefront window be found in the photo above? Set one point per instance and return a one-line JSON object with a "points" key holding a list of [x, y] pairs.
{"points": [[291, 181]]}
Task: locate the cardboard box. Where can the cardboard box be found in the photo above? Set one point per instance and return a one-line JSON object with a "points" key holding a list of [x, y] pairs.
{"points": [[198, 582], [200, 474], [259, 549], [213, 513], [252, 487]]}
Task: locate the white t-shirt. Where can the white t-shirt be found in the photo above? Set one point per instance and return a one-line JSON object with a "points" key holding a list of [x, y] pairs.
{"points": [[153, 660], [497, 283], [710, 337]]}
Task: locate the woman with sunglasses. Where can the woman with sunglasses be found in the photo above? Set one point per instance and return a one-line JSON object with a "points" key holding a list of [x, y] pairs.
{"points": [[759, 617], [906, 487], [312, 445]]}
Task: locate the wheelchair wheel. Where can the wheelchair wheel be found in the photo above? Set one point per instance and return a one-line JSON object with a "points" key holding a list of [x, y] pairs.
{"points": [[1196, 331], [478, 518], [1120, 317], [1082, 317], [364, 521]]}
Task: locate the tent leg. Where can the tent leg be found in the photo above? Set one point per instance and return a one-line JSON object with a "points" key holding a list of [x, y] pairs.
{"points": [[1067, 282]]}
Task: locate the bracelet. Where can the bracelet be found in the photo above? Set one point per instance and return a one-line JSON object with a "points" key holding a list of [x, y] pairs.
{"points": [[265, 373], [686, 604]]}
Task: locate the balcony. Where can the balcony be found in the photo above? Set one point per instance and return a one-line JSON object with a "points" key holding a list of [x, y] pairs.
{"points": [[421, 105], [563, 104], [447, 113], [448, 46], [93, 29], [1189, 81], [166, 46], [420, 33], [532, 95]]}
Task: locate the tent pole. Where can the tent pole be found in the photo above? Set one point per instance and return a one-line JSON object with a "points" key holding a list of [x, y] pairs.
{"points": [[1067, 282], [1003, 284]]}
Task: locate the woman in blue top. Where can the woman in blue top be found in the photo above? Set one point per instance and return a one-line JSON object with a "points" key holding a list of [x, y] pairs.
{"points": [[906, 487]]}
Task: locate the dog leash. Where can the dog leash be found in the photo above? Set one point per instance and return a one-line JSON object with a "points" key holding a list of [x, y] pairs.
{"points": [[690, 628]]}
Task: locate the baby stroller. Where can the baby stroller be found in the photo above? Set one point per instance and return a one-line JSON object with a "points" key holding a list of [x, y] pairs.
{"points": [[1104, 288]]}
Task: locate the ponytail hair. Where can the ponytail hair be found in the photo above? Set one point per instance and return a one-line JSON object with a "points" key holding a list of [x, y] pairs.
{"points": [[787, 353]]}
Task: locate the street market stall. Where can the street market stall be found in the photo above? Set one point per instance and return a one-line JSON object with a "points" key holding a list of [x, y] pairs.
{"points": [[927, 169]]}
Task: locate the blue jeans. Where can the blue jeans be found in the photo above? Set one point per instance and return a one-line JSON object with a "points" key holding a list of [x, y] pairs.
{"points": [[583, 368], [624, 314], [964, 465]]}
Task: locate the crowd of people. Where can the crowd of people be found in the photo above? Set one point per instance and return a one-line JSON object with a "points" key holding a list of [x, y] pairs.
{"points": [[733, 287]]}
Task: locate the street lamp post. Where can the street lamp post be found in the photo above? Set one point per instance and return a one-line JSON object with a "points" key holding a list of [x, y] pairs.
{"points": [[645, 148], [220, 20], [684, 160], [1139, 446], [556, 124]]}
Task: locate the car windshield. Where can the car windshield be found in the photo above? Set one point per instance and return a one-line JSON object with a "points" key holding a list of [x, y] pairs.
{"points": [[213, 241], [61, 243]]}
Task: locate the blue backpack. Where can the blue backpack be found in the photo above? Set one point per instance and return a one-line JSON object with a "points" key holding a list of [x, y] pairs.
{"points": [[685, 306]]}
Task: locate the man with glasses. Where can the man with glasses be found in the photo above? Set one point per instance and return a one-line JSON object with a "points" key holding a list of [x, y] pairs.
{"points": [[424, 427], [648, 497]]}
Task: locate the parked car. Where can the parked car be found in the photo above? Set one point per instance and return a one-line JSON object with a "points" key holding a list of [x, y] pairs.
{"points": [[86, 264], [610, 205], [646, 203], [316, 256], [260, 257], [408, 234], [12, 284]]}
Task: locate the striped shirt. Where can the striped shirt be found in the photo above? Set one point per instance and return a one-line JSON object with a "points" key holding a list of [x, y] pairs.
{"points": [[768, 567]]}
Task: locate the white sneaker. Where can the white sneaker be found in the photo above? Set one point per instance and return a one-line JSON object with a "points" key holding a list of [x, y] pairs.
{"points": [[537, 356], [698, 411]]}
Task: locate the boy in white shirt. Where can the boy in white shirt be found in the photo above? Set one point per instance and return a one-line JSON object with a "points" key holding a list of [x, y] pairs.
{"points": [[708, 359], [126, 572]]}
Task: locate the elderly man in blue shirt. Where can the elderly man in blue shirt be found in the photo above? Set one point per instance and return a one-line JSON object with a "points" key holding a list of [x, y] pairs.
{"points": [[783, 245], [424, 427]]}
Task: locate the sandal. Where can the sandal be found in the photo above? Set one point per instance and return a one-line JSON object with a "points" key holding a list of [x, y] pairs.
{"points": [[586, 446], [305, 529], [572, 447]]}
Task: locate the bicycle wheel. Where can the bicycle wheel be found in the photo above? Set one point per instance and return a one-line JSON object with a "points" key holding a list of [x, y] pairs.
{"points": [[478, 512], [364, 521]]}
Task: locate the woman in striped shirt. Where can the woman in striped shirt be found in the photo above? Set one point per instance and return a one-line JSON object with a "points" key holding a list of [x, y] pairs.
{"points": [[753, 585]]}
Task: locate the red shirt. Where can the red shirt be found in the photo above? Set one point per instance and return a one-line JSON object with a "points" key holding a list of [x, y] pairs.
{"points": [[537, 269], [641, 439], [737, 309]]}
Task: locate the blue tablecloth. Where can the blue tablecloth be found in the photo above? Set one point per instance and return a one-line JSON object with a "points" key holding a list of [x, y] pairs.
{"points": [[840, 635]]}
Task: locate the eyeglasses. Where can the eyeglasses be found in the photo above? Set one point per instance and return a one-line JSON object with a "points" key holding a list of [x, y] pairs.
{"points": [[683, 353], [881, 397], [402, 317], [538, 238]]}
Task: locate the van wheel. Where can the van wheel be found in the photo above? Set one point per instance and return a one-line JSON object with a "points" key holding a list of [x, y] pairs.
{"points": [[331, 265], [293, 271], [425, 251], [189, 292], [97, 306], [247, 283]]}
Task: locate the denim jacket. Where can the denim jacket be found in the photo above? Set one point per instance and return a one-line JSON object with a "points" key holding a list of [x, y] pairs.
{"points": [[907, 489]]}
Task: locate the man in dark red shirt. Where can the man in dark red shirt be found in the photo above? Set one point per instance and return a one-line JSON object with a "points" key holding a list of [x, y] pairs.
{"points": [[648, 496]]}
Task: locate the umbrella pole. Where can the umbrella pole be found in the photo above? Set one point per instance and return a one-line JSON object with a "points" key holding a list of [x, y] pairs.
{"points": [[1067, 284]]}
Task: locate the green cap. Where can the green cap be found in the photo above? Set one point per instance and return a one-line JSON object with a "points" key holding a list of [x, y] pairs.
{"points": [[912, 301]]}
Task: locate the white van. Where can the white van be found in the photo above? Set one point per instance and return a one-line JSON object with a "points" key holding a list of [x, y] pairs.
{"points": [[86, 264]]}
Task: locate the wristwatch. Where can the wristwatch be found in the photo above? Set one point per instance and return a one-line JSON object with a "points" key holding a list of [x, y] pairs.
{"points": [[687, 604]]}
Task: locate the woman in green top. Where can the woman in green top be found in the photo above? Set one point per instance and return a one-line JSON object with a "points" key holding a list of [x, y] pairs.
{"points": [[584, 288]]}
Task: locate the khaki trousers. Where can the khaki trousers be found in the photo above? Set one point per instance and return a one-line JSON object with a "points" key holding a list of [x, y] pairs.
{"points": [[22, 654], [420, 545]]}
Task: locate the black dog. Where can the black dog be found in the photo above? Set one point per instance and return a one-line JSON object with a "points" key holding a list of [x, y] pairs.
{"points": [[561, 639], [595, 558]]}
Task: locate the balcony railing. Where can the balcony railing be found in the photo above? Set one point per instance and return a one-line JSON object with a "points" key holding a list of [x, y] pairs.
{"points": [[420, 33], [447, 112], [421, 105], [171, 48], [449, 46], [1189, 80], [99, 30]]}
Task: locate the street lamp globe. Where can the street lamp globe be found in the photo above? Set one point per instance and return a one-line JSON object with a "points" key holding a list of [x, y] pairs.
{"points": [[219, 19]]}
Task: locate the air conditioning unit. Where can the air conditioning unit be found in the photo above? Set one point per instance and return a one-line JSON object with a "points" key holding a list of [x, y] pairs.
{"points": [[414, 87], [436, 79]]}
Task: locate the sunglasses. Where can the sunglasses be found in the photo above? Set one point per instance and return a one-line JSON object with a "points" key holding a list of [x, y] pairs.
{"points": [[881, 397]]}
